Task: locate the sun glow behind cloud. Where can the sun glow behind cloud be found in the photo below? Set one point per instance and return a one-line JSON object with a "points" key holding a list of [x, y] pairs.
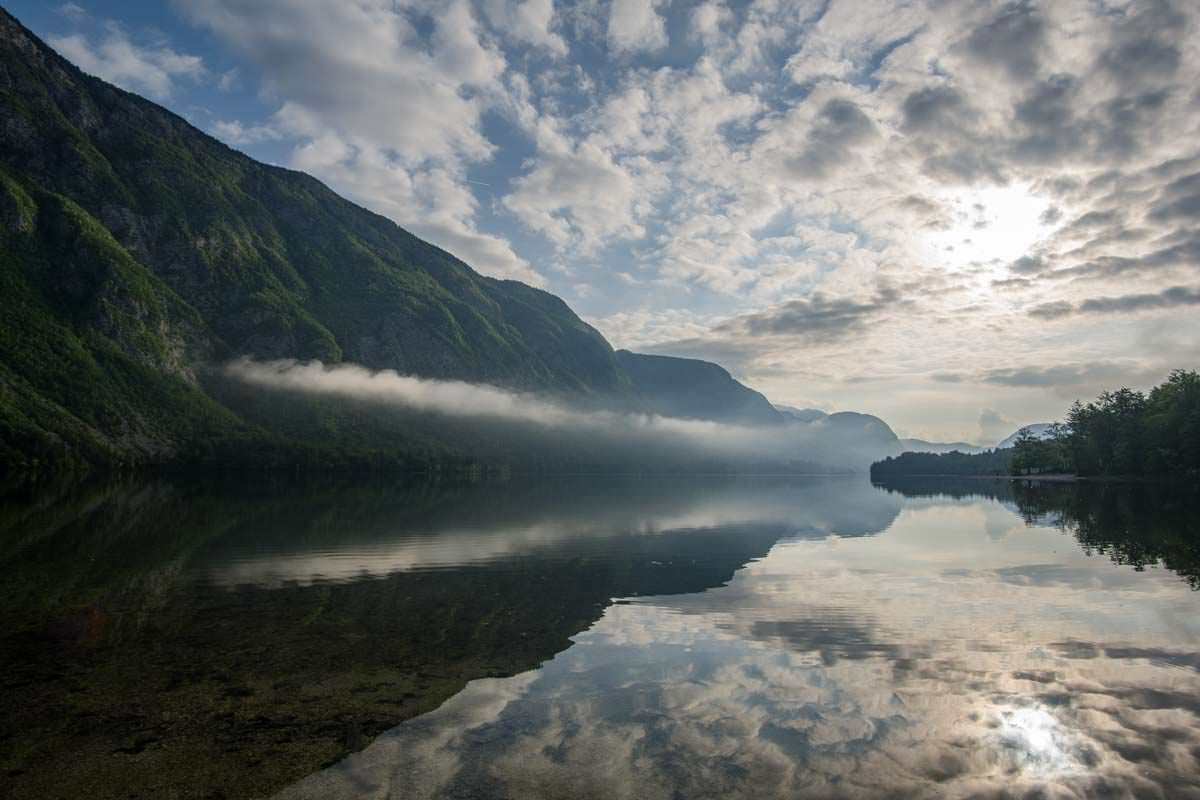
{"points": [[993, 225]]}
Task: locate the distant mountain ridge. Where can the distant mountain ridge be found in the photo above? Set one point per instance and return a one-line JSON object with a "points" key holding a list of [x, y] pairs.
{"points": [[1041, 430], [923, 446], [687, 387]]}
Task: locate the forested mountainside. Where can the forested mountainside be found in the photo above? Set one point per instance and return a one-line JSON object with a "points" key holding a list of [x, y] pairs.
{"points": [[136, 249]]}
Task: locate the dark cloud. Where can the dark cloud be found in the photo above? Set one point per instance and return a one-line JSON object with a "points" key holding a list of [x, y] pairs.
{"points": [[746, 344], [1013, 41], [1061, 186], [937, 109], [1027, 265], [1157, 655], [1056, 123], [1174, 167], [829, 632], [1051, 215], [1095, 219], [1123, 119], [964, 164], [930, 214], [1144, 44], [1182, 249], [1168, 298], [817, 317], [1179, 200], [1071, 377], [919, 205], [1054, 310], [840, 127], [943, 123], [1046, 116]]}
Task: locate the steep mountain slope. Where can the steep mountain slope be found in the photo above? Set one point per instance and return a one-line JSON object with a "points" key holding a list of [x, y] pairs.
{"points": [[687, 387], [137, 250]]}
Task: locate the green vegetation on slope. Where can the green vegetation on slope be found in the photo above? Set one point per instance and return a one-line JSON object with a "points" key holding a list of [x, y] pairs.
{"points": [[137, 251]]}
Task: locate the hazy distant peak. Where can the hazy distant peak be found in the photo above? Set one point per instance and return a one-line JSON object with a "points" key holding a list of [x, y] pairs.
{"points": [[801, 414], [924, 446], [691, 388], [1039, 429]]}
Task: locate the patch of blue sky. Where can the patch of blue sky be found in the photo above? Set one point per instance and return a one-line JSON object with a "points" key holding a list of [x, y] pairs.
{"points": [[867, 74], [224, 91]]}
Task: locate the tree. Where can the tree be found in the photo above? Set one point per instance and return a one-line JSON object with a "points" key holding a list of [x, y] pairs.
{"points": [[1025, 452]]}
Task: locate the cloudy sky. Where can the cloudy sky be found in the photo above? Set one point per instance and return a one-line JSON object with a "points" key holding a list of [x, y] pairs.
{"points": [[957, 215]]}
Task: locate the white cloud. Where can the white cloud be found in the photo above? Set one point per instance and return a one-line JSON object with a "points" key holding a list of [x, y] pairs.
{"points": [[707, 21], [386, 115], [528, 21], [230, 79], [235, 133], [578, 196], [433, 202], [635, 25], [73, 12], [150, 70]]}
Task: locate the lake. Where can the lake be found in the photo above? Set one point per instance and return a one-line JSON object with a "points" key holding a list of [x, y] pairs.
{"points": [[599, 638]]}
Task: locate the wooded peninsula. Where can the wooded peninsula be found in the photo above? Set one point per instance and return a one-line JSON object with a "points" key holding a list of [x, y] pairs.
{"points": [[1122, 433]]}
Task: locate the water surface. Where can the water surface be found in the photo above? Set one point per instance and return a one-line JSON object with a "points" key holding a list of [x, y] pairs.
{"points": [[601, 638]]}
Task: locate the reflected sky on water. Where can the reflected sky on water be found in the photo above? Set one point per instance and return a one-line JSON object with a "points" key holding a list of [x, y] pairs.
{"points": [[588, 638], [957, 652]]}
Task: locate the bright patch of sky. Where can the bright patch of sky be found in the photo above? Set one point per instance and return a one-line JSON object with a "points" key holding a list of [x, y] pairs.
{"points": [[954, 216]]}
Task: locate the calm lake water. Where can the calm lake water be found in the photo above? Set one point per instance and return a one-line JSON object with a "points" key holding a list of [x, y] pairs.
{"points": [[600, 638]]}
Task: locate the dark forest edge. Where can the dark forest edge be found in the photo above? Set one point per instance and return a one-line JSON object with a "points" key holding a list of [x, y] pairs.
{"points": [[1122, 433]]}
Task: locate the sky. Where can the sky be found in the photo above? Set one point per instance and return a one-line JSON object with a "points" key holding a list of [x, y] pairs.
{"points": [[959, 216]]}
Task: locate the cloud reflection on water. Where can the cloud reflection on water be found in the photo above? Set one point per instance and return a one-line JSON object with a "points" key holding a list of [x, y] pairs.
{"points": [[938, 659], [486, 526]]}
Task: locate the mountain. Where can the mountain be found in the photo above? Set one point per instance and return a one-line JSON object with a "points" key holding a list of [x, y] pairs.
{"points": [[800, 414], [687, 387], [135, 251], [1039, 429], [922, 446], [863, 428]]}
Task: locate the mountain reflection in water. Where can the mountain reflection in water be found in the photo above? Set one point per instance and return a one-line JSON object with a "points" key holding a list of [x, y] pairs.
{"points": [[801, 637], [967, 651]]}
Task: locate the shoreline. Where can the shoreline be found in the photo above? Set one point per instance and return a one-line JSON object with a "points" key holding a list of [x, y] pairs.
{"points": [[1049, 478]]}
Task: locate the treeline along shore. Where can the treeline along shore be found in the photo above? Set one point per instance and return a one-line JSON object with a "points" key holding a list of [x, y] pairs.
{"points": [[1122, 433]]}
